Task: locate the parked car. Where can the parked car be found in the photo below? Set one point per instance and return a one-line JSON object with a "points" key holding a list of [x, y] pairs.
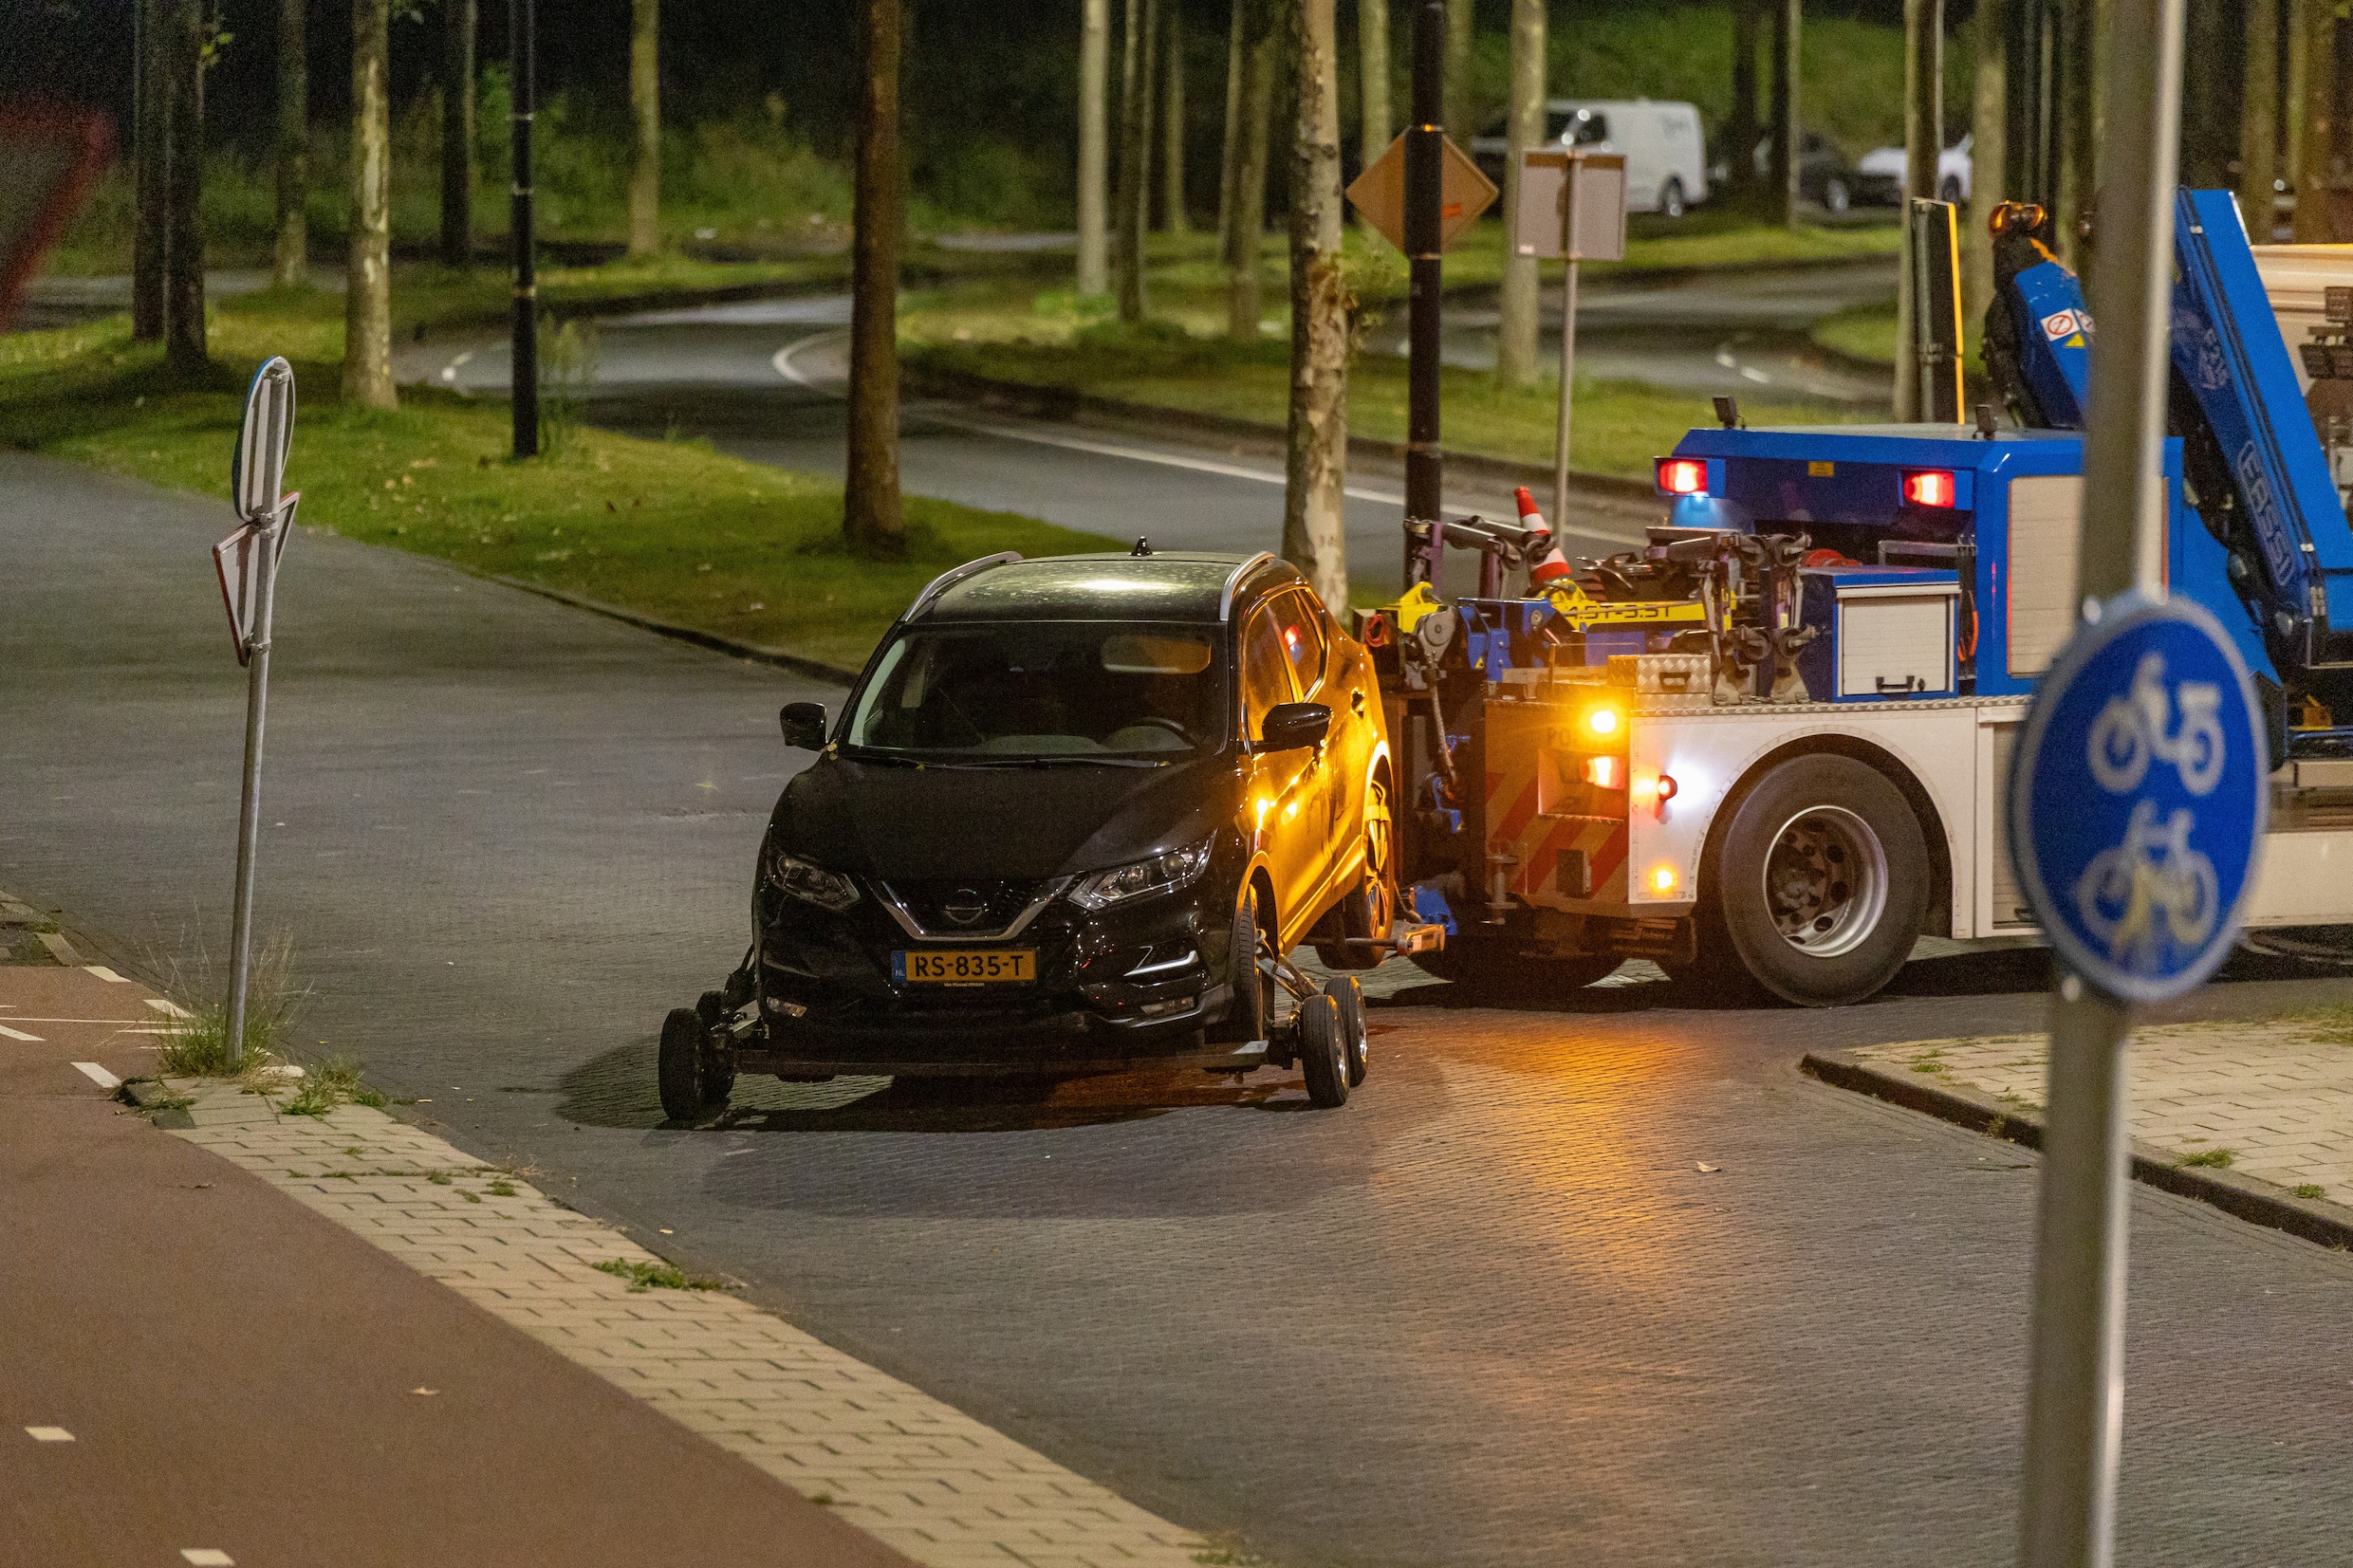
{"points": [[1879, 177], [1823, 176], [1065, 823], [1666, 156]]}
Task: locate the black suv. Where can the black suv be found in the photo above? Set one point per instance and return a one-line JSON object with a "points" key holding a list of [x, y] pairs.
{"points": [[1070, 818]]}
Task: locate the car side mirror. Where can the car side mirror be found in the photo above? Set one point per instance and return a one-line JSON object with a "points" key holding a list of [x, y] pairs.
{"points": [[1294, 727], [805, 725]]}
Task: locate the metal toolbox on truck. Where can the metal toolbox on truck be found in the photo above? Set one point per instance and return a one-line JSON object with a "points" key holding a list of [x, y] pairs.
{"points": [[1882, 632]]}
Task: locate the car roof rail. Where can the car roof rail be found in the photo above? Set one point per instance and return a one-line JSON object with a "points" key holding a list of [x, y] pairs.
{"points": [[1234, 583], [954, 575]]}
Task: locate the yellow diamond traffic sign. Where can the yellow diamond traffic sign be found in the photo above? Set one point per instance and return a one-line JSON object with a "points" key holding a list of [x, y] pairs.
{"points": [[1463, 194]]}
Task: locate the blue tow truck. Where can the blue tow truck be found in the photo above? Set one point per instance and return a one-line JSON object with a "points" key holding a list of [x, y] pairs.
{"points": [[1774, 741]]}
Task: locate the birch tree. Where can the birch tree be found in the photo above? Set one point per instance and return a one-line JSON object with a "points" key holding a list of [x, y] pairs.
{"points": [[1173, 121], [1378, 128], [367, 287], [1741, 127], [290, 247], [1127, 199], [2315, 223], [151, 167], [1460, 17], [1230, 146], [1515, 342], [1989, 131], [871, 519], [1315, 472], [2258, 133], [1094, 141], [645, 111]]}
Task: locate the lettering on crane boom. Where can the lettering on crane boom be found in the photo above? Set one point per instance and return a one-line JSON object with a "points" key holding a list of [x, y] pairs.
{"points": [[2269, 526]]}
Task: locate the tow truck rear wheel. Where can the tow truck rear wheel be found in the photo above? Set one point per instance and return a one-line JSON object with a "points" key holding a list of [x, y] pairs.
{"points": [[1821, 880], [1323, 1051]]}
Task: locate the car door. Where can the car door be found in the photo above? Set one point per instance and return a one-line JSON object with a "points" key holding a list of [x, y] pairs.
{"points": [[1305, 630], [1286, 799]]}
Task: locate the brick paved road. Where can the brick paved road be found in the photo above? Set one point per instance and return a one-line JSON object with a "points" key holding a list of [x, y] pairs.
{"points": [[1490, 1313]]}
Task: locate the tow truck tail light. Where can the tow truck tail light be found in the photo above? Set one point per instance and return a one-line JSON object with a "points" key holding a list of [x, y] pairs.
{"points": [[1929, 488], [1683, 475]]}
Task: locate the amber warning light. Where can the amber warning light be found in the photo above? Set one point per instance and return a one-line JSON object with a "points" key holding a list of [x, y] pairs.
{"points": [[1685, 475]]}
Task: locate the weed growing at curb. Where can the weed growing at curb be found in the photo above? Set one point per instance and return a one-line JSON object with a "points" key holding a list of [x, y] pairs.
{"points": [[503, 1189], [643, 1277], [196, 1044], [2311, 1190], [336, 1081], [2211, 1159]]}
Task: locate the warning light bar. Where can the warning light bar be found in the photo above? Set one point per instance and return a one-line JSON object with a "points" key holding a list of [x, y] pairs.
{"points": [[1684, 475], [1929, 488]]}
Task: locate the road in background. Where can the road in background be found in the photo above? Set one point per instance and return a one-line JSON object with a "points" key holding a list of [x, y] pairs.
{"points": [[1581, 1277]]}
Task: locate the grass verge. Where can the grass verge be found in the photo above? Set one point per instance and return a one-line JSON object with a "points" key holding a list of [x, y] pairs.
{"points": [[668, 530]]}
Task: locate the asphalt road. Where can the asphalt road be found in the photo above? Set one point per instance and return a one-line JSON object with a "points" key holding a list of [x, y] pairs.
{"points": [[1490, 1313]]}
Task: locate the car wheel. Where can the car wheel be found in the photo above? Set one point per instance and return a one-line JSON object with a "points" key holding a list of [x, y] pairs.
{"points": [[1670, 199], [1322, 1053], [1349, 998], [1834, 195], [1821, 882], [680, 1068], [1245, 1019], [1370, 908], [1950, 191]]}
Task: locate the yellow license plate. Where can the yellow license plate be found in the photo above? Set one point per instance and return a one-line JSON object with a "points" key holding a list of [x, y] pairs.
{"points": [[977, 967]]}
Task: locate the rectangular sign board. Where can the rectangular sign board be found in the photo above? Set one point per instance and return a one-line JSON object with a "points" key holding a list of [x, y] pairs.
{"points": [[1572, 206]]}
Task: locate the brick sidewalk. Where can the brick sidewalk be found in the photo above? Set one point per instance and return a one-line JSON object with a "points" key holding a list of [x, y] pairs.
{"points": [[2270, 1100], [917, 1474]]}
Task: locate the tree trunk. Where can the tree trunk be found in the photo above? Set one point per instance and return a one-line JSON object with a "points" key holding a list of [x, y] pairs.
{"points": [[1988, 129], [290, 254], [458, 134], [1173, 121], [1244, 292], [1127, 199], [2258, 134], [2314, 220], [1515, 342], [1147, 85], [1316, 472], [1923, 141], [1788, 108], [1093, 142], [2079, 133], [871, 519], [151, 152], [1460, 16], [645, 110], [2292, 124], [183, 288], [367, 287], [1229, 149], [1378, 128], [2212, 81], [1741, 129]]}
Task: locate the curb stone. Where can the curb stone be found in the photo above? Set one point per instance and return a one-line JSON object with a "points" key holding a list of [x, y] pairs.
{"points": [[832, 675], [2314, 1219]]}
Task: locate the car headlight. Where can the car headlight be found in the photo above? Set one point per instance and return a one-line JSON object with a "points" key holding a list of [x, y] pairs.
{"points": [[1161, 874], [812, 884]]}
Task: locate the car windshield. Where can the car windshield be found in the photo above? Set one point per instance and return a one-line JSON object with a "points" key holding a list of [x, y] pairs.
{"points": [[1023, 689]]}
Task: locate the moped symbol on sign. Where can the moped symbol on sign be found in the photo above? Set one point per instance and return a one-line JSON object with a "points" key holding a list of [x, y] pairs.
{"points": [[2138, 799]]}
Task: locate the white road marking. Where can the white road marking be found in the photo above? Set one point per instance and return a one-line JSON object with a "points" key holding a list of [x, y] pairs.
{"points": [[167, 1008], [98, 1075], [782, 361], [1751, 373], [448, 372], [19, 1034], [106, 974], [208, 1557], [49, 1435], [1166, 459], [18, 1020]]}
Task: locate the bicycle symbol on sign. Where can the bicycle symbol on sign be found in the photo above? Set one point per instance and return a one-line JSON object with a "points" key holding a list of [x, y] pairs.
{"points": [[2132, 729], [2153, 890], [2126, 889]]}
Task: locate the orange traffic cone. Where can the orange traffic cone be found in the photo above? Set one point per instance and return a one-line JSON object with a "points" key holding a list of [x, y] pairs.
{"points": [[1554, 566]]}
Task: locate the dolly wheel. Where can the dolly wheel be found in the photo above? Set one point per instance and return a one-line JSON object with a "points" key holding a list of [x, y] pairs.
{"points": [[1348, 997], [1323, 1051], [679, 1070]]}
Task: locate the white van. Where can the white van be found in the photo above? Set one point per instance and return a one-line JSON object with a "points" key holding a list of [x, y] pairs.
{"points": [[1666, 156]]}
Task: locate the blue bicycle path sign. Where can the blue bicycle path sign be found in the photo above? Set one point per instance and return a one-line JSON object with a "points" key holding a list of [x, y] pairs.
{"points": [[2138, 798]]}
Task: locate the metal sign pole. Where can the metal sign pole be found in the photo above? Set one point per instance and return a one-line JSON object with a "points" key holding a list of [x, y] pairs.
{"points": [[1568, 380], [2075, 1396], [250, 811], [1425, 157]]}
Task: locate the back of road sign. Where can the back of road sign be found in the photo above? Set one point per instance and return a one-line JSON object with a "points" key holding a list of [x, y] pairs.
{"points": [[1572, 206], [1379, 192], [257, 462], [2138, 799]]}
